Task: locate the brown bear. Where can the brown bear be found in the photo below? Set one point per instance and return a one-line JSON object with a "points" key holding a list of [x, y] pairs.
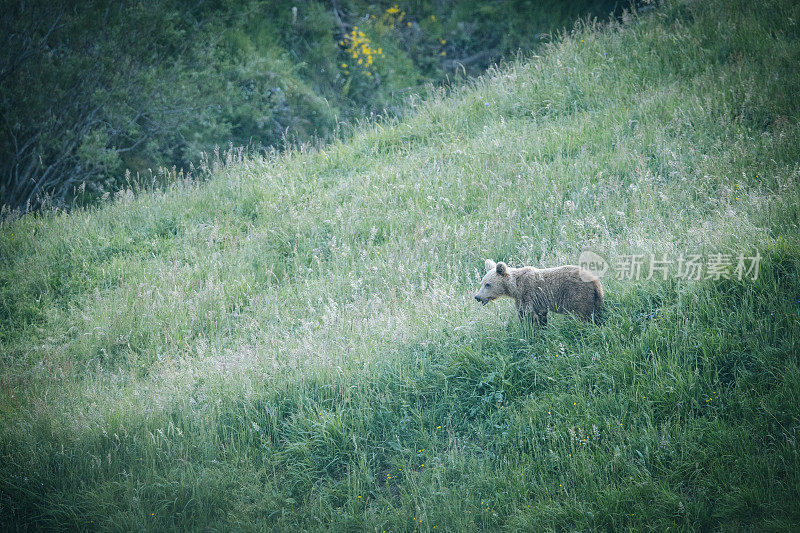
{"points": [[564, 289]]}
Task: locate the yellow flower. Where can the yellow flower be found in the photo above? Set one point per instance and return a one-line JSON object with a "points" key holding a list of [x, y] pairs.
{"points": [[344, 65], [433, 18], [443, 41]]}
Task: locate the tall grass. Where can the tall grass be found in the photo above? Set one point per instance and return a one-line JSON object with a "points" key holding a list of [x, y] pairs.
{"points": [[293, 344]]}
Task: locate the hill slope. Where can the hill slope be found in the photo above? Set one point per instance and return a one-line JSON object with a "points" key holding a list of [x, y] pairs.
{"points": [[294, 344]]}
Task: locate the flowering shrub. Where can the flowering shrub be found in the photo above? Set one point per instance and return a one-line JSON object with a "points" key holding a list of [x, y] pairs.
{"points": [[360, 52], [417, 38], [392, 17]]}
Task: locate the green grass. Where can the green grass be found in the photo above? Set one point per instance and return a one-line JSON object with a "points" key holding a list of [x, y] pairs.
{"points": [[293, 344]]}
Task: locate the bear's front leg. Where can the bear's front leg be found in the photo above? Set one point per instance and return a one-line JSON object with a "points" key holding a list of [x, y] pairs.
{"points": [[525, 315], [532, 316]]}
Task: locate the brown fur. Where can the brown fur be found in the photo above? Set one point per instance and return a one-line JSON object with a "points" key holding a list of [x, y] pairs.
{"points": [[564, 289]]}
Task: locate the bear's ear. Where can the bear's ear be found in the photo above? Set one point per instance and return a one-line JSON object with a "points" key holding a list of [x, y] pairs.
{"points": [[502, 269], [490, 265]]}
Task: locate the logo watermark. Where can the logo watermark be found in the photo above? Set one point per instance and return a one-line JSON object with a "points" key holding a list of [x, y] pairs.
{"points": [[691, 267]]}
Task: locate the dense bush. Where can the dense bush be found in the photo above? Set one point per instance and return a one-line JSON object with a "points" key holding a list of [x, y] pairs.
{"points": [[91, 90]]}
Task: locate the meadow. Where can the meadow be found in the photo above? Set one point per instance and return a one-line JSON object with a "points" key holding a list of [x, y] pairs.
{"points": [[293, 344]]}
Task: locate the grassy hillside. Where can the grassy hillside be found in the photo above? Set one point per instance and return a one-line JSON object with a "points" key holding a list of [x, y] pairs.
{"points": [[294, 344]]}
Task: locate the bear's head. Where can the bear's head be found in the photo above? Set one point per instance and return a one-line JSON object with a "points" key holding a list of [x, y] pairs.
{"points": [[495, 283]]}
